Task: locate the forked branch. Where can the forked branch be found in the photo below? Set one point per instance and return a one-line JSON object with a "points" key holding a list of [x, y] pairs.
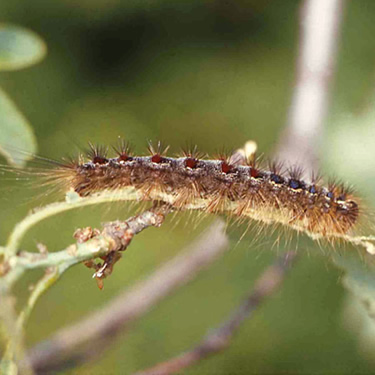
{"points": [[115, 237], [219, 339], [82, 341]]}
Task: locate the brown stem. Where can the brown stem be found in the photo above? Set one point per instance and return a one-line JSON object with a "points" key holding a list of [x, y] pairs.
{"points": [[120, 234], [79, 342], [319, 38], [265, 286]]}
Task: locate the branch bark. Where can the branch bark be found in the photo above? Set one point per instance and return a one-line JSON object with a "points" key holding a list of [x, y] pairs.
{"points": [[320, 22], [220, 339], [80, 342], [115, 237]]}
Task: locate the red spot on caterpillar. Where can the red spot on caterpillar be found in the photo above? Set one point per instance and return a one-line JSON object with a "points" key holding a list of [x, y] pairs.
{"points": [[99, 160], [97, 154], [191, 162], [225, 167], [192, 153], [253, 172], [156, 158], [157, 152], [123, 151], [123, 157]]}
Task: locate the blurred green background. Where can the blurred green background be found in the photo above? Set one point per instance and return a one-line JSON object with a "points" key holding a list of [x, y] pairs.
{"points": [[215, 73]]}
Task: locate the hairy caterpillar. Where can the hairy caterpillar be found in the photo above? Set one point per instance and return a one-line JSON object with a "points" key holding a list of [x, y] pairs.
{"points": [[232, 185]]}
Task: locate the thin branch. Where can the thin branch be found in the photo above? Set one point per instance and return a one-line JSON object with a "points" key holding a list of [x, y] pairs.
{"points": [[320, 25], [14, 342], [73, 200], [216, 341], [80, 342], [115, 237], [50, 277], [12, 351]]}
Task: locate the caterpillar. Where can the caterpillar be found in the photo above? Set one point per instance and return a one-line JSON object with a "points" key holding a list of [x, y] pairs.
{"points": [[236, 185]]}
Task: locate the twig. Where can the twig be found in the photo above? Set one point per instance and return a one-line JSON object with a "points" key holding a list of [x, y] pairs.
{"points": [[115, 236], [50, 277], [8, 327], [13, 348], [220, 339], [73, 200], [320, 25], [78, 343]]}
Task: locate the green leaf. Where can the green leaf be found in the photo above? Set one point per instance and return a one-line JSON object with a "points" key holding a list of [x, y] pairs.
{"points": [[19, 47], [17, 140]]}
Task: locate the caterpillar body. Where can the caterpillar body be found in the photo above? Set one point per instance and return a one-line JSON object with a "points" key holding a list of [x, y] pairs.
{"points": [[236, 187]]}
